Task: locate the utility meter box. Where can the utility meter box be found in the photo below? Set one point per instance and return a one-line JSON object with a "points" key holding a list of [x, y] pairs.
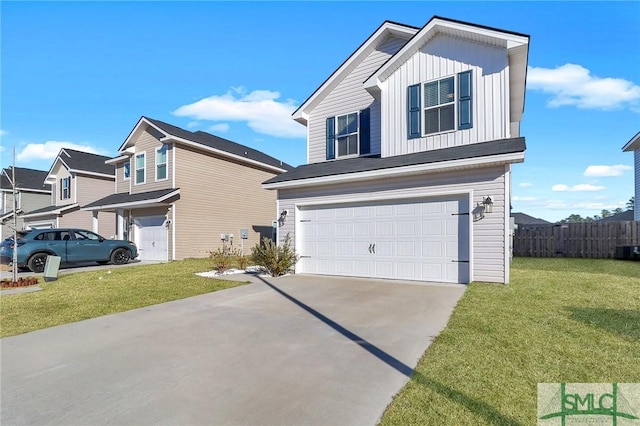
{"points": [[244, 234], [51, 268]]}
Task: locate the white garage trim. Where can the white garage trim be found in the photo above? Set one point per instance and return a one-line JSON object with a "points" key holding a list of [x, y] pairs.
{"points": [[370, 201], [142, 243]]}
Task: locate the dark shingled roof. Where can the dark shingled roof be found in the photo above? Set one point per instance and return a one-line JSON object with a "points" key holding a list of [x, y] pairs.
{"points": [[525, 219], [624, 216], [86, 162], [366, 164], [123, 198], [219, 143], [49, 209], [25, 178]]}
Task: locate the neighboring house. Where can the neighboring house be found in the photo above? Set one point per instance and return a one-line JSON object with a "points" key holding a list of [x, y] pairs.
{"points": [[619, 217], [634, 145], [31, 194], [525, 219], [177, 193], [76, 178], [410, 146]]}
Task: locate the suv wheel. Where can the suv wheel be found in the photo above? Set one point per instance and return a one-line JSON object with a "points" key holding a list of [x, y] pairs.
{"points": [[37, 261], [120, 256]]}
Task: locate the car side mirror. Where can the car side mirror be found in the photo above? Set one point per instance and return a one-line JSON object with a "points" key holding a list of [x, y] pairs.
{"points": [[101, 239]]}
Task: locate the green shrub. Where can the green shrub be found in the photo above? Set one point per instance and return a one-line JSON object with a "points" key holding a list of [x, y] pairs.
{"points": [[222, 259], [276, 259], [242, 260]]}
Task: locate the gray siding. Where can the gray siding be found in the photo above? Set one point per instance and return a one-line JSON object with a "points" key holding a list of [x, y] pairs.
{"points": [[636, 211], [440, 57], [218, 196], [488, 234], [30, 201], [350, 96]]}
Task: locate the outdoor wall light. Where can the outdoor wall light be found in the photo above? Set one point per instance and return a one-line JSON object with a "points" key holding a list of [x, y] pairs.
{"points": [[487, 203], [283, 217]]}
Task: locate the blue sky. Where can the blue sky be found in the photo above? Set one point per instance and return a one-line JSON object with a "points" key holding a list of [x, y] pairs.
{"points": [[80, 74]]}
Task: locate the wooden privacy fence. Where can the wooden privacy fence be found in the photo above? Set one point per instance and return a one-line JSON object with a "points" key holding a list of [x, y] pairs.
{"points": [[583, 239]]}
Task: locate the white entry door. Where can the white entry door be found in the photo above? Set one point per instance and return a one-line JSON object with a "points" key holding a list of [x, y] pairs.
{"points": [[151, 238], [425, 239]]}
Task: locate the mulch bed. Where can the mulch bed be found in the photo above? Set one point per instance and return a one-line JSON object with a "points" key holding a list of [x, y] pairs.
{"points": [[22, 282]]}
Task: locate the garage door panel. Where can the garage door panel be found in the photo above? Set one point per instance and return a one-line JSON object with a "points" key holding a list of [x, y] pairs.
{"points": [[419, 239]]}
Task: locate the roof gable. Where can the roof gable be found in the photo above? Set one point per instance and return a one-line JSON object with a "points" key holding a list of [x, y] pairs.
{"points": [[165, 132], [385, 30], [633, 144], [81, 162]]}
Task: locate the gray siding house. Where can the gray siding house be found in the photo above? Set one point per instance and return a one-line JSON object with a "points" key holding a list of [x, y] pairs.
{"points": [[31, 194], [634, 146], [176, 192], [410, 147], [76, 178]]}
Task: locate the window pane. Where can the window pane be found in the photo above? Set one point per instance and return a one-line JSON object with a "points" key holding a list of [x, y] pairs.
{"points": [[342, 125], [353, 144], [140, 176], [162, 171], [127, 170], [431, 94], [342, 146], [162, 155], [447, 118], [139, 161], [352, 119], [431, 121], [446, 90]]}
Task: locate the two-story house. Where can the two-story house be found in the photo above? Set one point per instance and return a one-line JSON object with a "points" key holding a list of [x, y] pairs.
{"points": [[634, 146], [76, 178], [31, 194], [410, 147], [181, 194]]}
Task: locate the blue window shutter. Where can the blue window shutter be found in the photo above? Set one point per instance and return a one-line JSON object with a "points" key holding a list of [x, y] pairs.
{"points": [[465, 100], [331, 138], [365, 136], [413, 111]]}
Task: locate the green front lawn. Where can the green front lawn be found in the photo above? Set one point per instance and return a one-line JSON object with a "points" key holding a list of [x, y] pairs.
{"points": [[84, 295], [560, 320]]}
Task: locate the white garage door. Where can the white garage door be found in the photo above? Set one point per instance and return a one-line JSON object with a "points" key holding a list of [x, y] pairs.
{"points": [[425, 239], [151, 238]]}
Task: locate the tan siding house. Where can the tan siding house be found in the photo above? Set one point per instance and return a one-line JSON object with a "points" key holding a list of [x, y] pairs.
{"points": [[185, 189], [32, 194], [411, 142]]}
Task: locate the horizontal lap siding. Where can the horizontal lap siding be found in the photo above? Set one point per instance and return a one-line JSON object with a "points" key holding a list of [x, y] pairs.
{"points": [[441, 57], [91, 189], [148, 144], [636, 213], [488, 233], [219, 196], [30, 201], [122, 185], [350, 96]]}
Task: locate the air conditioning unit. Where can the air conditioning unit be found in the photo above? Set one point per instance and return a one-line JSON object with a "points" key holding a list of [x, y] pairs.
{"points": [[627, 253]]}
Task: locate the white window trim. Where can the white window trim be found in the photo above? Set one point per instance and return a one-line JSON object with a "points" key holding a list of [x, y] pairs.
{"points": [[423, 108], [335, 142], [68, 197], [166, 163], [124, 175], [135, 167]]}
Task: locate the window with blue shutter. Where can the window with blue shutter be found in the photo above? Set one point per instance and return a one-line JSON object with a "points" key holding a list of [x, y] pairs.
{"points": [[413, 111], [331, 138], [365, 138], [465, 100]]}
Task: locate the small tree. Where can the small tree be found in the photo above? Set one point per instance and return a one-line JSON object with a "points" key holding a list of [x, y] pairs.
{"points": [[276, 259]]}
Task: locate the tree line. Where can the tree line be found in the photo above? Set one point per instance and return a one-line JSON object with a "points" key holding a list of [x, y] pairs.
{"points": [[603, 214]]}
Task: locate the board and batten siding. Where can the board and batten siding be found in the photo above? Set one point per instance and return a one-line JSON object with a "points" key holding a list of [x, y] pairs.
{"points": [[148, 144], [219, 196], [440, 57], [488, 234], [350, 96]]}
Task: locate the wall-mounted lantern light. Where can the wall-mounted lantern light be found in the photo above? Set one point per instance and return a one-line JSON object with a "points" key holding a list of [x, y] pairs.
{"points": [[283, 217], [487, 203]]}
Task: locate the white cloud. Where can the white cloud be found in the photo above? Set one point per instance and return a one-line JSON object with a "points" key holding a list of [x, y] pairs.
{"points": [[583, 187], [50, 149], [606, 171], [260, 109], [572, 84], [220, 127], [575, 207], [193, 124], [3, 132], [525, 185], [516, 198]]}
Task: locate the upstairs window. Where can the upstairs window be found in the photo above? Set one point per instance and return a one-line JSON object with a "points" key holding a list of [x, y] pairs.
{"points": [[447, 105], [65, 188], [348, 135], [140, 168], [161, 163], [126, 170]]}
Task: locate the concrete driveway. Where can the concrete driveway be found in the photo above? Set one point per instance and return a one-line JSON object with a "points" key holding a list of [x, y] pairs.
{"points": [[291, 350]]}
